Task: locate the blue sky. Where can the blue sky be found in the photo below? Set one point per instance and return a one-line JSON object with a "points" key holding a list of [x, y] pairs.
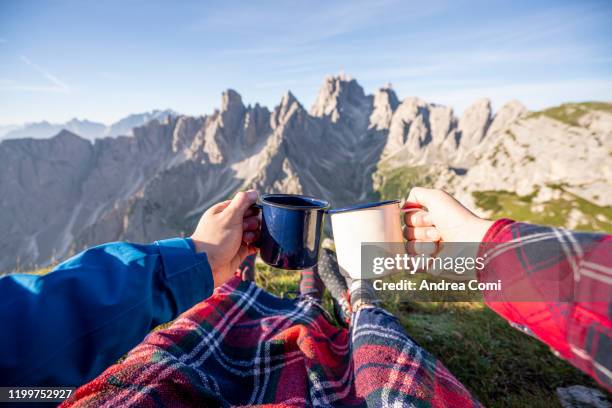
{"points": [[102, 60]]}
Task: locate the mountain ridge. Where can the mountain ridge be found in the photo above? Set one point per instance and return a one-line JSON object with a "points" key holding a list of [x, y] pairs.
{"points": [[83, 127], [63, 194]]}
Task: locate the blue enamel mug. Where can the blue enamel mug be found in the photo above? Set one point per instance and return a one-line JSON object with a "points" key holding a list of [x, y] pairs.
{"points": [[291, 228]]}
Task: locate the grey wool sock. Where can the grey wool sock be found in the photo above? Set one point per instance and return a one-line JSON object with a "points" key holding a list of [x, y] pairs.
{"points": [[334, 281], [362, 294]]}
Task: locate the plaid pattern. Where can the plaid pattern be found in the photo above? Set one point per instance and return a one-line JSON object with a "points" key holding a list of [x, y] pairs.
{"points": [[246, 270], [246, 347], [557, 287]]}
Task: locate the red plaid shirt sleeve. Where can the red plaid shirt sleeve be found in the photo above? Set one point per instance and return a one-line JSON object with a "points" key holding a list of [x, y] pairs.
{"points": [[556, 286]]}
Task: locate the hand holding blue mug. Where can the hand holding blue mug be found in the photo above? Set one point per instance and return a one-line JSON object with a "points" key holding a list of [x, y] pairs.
{"points": [[225, 233]]}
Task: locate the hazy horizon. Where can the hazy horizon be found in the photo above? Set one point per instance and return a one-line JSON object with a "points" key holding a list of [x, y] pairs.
{"points": [[103, 61]]}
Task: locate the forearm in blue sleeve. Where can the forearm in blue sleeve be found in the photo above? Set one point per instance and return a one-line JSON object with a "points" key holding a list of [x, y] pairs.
{"points": [[66, 327]]}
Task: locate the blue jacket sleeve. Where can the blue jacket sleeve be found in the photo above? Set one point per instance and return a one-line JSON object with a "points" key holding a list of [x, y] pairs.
{"points": [[66, 327]]}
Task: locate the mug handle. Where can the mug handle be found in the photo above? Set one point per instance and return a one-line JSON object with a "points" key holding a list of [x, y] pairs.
{"points": [[411, 206], [257, 242]]}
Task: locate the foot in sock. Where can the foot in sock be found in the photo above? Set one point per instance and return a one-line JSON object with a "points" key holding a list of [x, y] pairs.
{"points": [[311, 284], [335, 283], [362, 295]]}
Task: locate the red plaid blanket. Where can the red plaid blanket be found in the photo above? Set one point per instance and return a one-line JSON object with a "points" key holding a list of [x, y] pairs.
{"points": [[246, 347], [557, 286]]}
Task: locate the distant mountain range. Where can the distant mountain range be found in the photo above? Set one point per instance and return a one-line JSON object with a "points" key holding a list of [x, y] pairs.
{"points": [[62, 194], [84, 128]]}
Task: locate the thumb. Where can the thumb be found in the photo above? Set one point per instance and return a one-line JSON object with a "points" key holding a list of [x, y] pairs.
{"points": [[241, 203], [439, 203], [219, 207], [422, 196]]}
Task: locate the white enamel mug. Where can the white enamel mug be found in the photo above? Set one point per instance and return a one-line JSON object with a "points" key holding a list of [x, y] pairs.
{"points": [[367, 223]]}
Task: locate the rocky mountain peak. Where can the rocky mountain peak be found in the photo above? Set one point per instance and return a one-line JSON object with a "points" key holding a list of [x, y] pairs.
{"points": [[234, 129], [411, 104], [508, 113], [474, 122], [288, 99], [340, 94], [409, 127], [388, 95], [385, 103], [67, 136], [256, 124], [230, 100], [287, 106], [232, 113]]}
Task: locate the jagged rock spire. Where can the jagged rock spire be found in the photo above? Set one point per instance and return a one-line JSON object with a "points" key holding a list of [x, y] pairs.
{"points": [[385, 103], [288, 104], [232, 111], [475, 122], [339, 94]]}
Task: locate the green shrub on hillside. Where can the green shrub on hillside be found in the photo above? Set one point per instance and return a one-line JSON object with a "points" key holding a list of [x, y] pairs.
{"points": [[570, 113]]}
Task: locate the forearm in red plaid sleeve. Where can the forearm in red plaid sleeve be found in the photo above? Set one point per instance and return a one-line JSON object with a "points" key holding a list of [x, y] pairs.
{"points": [[524, 258]]}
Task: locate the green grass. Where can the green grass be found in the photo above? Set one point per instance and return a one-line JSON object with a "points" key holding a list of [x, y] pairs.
{"points": [[554, 212], [570, 113], [500, 365], [396, 183]]}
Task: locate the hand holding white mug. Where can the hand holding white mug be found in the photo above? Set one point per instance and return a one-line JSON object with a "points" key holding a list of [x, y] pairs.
{"points": [[443, 219], [432, 230]]}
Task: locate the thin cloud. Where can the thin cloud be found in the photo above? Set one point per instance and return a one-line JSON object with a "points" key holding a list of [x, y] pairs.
{"points": [[314, 25], [3, 40], [58, 84]]}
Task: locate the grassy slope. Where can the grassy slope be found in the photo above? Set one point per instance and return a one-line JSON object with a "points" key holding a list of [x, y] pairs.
{"points": [[570, 113], [397, 182], [554, 212]]}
